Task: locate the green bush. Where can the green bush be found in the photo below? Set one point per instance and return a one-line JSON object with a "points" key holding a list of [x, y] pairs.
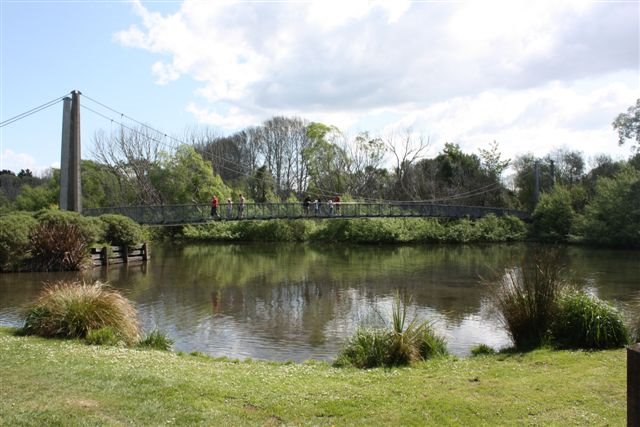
{"points": [[400, 344], [74, 309], [156, 340], [553, 216], [526, 298], [613, 216], [120, 230], [103, 336], [367, 348], [90, 228], [585, 321], [15, 229], [482, 350]]}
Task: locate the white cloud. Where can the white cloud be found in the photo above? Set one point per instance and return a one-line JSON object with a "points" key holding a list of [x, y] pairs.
{"points": [[14, 162], [531, 74]]}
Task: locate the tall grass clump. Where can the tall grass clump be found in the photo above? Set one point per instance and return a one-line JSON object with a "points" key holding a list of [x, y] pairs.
{"points": [[401, 343], [156, 340], [76, 309], [585, 321], [526, 298]]}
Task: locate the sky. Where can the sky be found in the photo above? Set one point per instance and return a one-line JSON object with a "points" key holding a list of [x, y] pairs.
{"points": [[533, 76]]}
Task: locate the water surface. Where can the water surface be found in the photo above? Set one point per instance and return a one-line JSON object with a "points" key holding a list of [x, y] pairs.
{"points": [[298, 302]]}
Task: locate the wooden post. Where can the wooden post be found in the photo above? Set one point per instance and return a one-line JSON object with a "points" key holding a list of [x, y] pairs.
{"points": [[125, 251], [145, 254], [105, 256], [633, 385]]}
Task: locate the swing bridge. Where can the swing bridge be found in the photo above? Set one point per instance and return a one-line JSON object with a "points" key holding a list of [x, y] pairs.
{"points": [[166, 215]]}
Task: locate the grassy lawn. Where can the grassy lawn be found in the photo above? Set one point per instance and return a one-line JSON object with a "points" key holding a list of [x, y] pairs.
{"points": [[51, 382]]}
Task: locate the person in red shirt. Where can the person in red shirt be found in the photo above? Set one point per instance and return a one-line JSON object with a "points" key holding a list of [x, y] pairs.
{"points": [[214, 207]]}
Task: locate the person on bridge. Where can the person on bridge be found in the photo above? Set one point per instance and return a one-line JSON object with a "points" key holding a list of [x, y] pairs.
{"points": [[214, 207], [316, 206], [337, 203], [330, 204], [306, 204], [241, 207], [229, 207]]}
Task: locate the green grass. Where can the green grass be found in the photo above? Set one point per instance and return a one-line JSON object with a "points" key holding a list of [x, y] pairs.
{"points": [[63, 382]]}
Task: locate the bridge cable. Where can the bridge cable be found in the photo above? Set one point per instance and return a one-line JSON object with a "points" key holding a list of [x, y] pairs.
{"points": [[32, 111]]}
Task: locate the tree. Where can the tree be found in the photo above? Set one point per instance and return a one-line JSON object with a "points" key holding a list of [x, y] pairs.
{"points": [[186, 178], [553, 216], [628, 125], [613, 216], [132, 153], [491, 160], [406, 149]]}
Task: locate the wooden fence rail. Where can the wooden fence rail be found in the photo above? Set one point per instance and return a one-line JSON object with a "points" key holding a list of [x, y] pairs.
{"points": [[108, 255]]}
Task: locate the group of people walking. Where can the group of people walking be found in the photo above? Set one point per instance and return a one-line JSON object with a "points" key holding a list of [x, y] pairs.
{"points": [[333, 207], [215, 205]]}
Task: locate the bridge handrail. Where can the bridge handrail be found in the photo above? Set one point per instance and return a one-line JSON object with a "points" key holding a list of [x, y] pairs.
{"points": [[198, 213]]}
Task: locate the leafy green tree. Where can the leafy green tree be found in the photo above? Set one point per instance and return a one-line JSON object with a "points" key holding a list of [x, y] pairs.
{"points": [[613, 216], [35, 198], [186, 178], [524, 180], [492, 162], [628, 125], [553, 216], [101, 186], [327, 163]]}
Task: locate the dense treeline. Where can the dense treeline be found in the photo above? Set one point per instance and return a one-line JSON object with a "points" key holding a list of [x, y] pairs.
{"points": [[288, 158]]}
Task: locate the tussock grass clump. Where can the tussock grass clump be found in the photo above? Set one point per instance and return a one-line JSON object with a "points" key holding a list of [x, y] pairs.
{"points": [[526, 298], [400, 344], [585, 321], [482, 350], [75, 309], [156, 340]]}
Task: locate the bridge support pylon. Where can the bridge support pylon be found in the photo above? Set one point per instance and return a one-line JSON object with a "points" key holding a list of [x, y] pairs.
{"points": [[70, 186]]}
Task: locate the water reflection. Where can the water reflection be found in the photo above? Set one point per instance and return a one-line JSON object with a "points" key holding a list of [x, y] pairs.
{"points": [[296, 302]]}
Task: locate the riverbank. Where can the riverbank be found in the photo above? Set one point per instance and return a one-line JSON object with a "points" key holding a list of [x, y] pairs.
{"points": [[66, 382]]}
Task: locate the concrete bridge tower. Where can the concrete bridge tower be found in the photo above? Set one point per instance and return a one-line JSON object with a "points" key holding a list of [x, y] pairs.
{"points": [[70, 187]]}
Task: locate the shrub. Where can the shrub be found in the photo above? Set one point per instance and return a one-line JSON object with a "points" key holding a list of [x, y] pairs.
{"points": [[14, 238], [482, 350], [156, 340], [103, 336], [58, 247], [120, 230], [585, 321], [74, 309], [526, 298], [367, 348], [90, 229], [400, 344], [553, 216]]}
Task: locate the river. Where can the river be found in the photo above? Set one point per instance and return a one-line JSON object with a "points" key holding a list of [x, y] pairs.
{"points": [[302, 301]]}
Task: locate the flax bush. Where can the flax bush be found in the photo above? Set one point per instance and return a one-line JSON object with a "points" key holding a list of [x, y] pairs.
{"points": [[585, 321], [77, 309]]}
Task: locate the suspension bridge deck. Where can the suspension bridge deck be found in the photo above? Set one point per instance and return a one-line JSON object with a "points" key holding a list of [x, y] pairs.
{"points": [[201, 213]]}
